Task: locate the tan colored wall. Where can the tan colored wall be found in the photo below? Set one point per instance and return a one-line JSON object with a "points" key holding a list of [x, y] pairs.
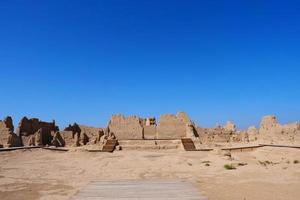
{"points": [[150, 132], [172, 126], [7, 137], [28, 127], [271, 131], [126, 128]]}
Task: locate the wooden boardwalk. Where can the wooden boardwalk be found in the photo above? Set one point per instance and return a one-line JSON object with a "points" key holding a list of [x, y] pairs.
{"points": [[140, 189]]}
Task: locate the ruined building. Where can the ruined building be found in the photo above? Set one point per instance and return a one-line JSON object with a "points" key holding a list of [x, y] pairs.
{"points": [[35, 132], [78, 135], [7, 137], [169, 127]]}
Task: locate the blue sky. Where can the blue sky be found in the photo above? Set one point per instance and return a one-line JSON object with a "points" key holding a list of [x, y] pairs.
{"points": [[86, 60]]}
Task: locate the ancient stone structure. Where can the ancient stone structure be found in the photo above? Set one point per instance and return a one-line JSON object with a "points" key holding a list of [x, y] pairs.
{"points": [[33, 132], [269, 123], [77, 135], [239, 136], [95, 138], [216, 134], [31, 126], [169, 127], [7, 137], [172, 126], [14, 140], [93, 134], [291, 128], [191, 131], [73, 128], [6, 124], [149, 132], [229, 126], [219, 134], [41, 131], [71, 135], [252, 134], [57, 140], [149, 128], [77, 140], [126, 127], [271, 131], [84, 139], [68, 137], [5, 130], [150, 121]]}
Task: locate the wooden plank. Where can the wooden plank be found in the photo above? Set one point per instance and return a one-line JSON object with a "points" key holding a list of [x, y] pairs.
{"points": [[18, 148], [277, 145], [140, 189], [243, 147]]}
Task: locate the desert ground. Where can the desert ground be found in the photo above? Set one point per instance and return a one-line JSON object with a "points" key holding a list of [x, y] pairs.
{"points": [[264, 173]]}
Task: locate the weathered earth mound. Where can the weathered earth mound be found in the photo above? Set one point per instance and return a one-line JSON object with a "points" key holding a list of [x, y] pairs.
{"points": [[7, 137], [34, 132], [272, 131]]}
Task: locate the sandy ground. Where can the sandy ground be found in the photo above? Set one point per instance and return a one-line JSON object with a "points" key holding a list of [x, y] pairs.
{"points": [[270, 173]]}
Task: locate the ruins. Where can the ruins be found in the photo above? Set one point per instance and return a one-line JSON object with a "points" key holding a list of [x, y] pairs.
{"points": [[7, 137], [33, 132], [78, 135], [126, 127], [173, 126], [271, 130], [30, 126]]}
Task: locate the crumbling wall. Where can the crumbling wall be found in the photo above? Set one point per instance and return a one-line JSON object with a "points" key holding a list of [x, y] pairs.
{"points": [[69, 137], [7, 137], [219, 134], [253, 134], [269, 124], [230, 126], [216, 134], [149, 133], [126, 128], [149, 128], [75, 128], [57, 140], [6, 124], [77, 135], [94, 134], [272, 131], [173, 126], [31, 126], [150, 121], [35, 132], [169, 127], [191, 131], [240, 136]]}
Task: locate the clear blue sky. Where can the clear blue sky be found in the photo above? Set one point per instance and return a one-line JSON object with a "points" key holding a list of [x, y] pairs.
{"points": [[86, 60]]}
